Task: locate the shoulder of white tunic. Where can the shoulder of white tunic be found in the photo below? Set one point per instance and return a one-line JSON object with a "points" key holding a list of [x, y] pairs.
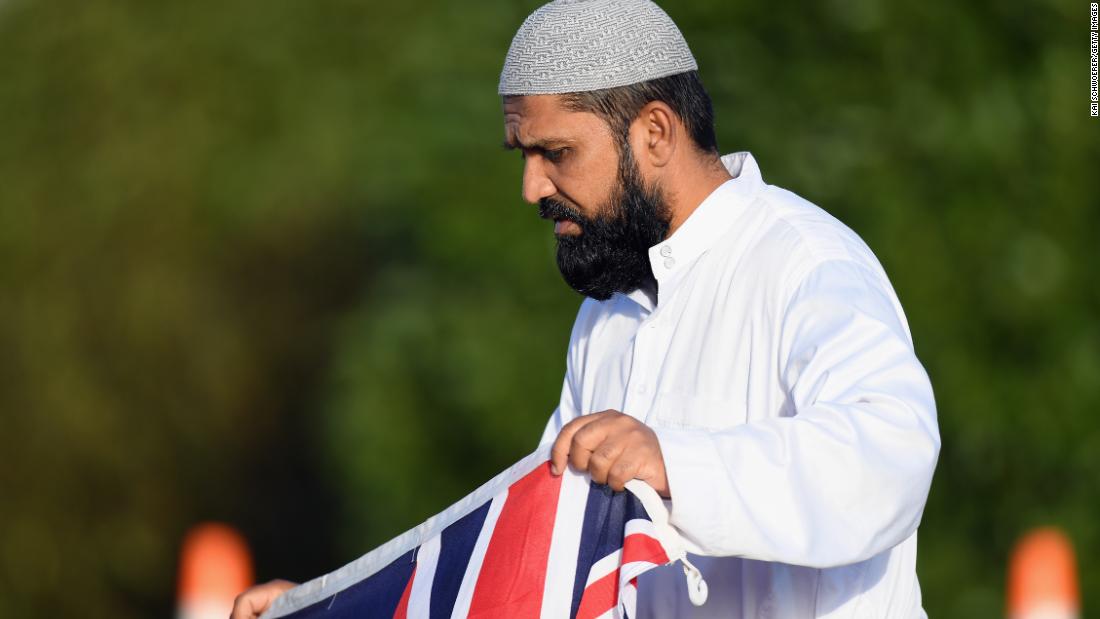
{"points": [[792, 236]]}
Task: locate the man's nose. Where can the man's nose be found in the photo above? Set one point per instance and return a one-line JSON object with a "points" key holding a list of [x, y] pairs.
{"points": [[536, 185]]}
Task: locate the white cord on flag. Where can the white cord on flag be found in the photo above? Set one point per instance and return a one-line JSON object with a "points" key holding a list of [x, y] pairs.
{"points": [[697, 587], [670, 538]]}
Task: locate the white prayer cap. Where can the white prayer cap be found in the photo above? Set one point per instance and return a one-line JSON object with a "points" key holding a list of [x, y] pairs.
{"points": [[582, 45]]}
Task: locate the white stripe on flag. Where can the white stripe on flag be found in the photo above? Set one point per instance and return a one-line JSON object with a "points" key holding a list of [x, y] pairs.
{"points": [[628, 599], [420, 598], [639, 525], [635, 569], [557, 595], [473, 570], [604, 566]]}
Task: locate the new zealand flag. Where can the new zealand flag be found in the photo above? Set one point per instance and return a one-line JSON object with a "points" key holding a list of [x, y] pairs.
{"points": [[526, 544]]}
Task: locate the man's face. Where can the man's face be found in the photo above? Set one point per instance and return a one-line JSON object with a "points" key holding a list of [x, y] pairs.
{"points": [[605, 215]]}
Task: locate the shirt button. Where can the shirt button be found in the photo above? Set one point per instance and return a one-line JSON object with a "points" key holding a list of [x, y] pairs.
{"points": [[666, 251], [669, 263]]}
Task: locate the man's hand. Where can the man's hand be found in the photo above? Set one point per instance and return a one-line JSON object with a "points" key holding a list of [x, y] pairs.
{"points": [[253, 602], [614, 448]]}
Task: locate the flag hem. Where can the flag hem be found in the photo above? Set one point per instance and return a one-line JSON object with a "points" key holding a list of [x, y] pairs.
{"points": [[324, 587]]}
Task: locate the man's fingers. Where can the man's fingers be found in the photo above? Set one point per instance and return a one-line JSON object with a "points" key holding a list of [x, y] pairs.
{"points": [[594, 448], [621, 472], [253, 602], [559, 453], [597, 462], [612, 447]]}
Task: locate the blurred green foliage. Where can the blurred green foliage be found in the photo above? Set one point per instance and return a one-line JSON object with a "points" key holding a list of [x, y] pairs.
{"points": [[266, 263]]}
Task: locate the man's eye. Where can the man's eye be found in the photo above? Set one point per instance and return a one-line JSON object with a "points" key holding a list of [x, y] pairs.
{"points": [[554, 155]]}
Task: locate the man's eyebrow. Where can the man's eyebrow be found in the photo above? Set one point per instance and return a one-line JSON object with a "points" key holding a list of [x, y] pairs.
{"points": [[536, 145]]}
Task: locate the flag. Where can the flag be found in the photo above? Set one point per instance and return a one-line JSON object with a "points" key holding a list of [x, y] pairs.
{"points": [[525, 544]]}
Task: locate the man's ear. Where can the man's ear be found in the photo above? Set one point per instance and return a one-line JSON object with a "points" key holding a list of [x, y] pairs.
{"points": [[655, 134]]}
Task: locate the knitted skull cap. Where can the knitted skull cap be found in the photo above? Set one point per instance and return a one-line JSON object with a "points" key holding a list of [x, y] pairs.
{"points": [[581, 45]]}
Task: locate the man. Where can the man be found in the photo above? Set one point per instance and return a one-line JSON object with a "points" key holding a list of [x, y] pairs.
{"points": [[740, 350]]}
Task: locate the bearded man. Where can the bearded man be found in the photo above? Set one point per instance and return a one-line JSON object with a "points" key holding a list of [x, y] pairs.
{"points": [[740, 350]]}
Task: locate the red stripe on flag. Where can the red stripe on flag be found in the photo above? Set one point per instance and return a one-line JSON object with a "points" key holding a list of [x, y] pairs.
{"points": [[402, 610], [641, 547], [514, 570], [599, 597]]}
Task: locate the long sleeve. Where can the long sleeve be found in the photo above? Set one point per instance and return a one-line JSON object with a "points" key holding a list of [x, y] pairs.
{"points": [[843, 472]]}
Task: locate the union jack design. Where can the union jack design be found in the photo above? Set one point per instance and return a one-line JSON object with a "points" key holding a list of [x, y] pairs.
{"points": [[526, 544]]}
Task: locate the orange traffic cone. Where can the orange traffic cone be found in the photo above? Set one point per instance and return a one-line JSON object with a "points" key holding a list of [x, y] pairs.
{"points": [[215, 566], [1042, 577]]}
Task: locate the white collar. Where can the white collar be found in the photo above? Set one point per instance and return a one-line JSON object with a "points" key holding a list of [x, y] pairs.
{"points": [[706, 224]]}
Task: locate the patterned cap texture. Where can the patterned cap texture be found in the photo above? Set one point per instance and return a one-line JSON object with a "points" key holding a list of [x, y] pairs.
{"points": [[582, 45]]}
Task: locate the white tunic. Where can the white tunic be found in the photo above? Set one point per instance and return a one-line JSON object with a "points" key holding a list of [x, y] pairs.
{"points": [[797, 426]]}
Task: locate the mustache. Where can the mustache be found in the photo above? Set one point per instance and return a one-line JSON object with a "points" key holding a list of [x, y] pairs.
{"points": [[550, 208]]}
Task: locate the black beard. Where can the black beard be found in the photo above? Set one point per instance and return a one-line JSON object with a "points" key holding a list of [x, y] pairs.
{"points": [[611, 254]]}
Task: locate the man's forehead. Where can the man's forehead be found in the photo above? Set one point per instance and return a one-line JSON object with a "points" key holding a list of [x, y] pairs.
{"points": [[534, 119], [533, 110]]}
